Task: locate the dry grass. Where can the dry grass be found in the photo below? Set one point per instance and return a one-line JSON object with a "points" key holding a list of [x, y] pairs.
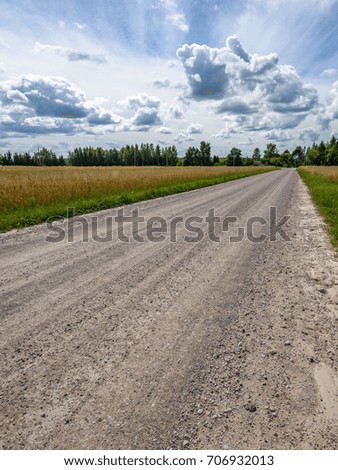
{"points": [[29, 186], [329, 172]]}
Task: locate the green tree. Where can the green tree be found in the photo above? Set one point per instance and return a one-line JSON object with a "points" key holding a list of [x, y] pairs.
{"points": [[157, 155], [234, 158], [331, 154], [321, 153], [256, 156], [312, 156], [45, 157], [192, 157], [299, 156], [6, 159], [205, 154], [271, 154], [285, 159]]}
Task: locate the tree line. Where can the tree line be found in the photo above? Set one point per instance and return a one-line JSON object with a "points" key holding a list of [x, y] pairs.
{"points": [[43, 157], [319, 154], [143, 155], [130, 155], [150, 155]]}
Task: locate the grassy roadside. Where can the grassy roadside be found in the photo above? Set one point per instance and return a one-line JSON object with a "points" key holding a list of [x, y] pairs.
{"points": [[30, 211], [323, 187]]}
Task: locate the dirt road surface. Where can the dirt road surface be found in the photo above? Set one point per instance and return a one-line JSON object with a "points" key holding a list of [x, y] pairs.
{"points": [[162, 345]]}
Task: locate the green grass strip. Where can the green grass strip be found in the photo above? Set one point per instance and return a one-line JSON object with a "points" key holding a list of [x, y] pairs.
{"points": [[13, 218], [324, 193]]}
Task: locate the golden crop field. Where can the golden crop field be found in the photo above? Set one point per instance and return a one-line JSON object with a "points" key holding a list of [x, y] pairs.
{"points": [[27, 186], [329, 172]]}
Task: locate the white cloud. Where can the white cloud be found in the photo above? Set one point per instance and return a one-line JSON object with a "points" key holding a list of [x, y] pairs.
{"points": [[100, 116], [308, 134], [235, 105], [231, 72], [195, 129], [146, 117], [236, 47], [80, 26], [177, 109], [256, 88], [329, 73], [208, 64], [286, 93], [47, 125], [180, 86], [225, 133], [163, 130], [175, 16], [46, 96], [278, 135], [172, 64], [333, 101], [271, 120], [187, 135], [147, 113], [178, 20], [70, 54], [141, 100], [183, 137], [329, 113], [161, 83], [34, 104], [299, 30]]}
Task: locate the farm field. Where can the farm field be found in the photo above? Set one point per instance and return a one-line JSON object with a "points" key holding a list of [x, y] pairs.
{"points": [[30, 195], [323, 185]]}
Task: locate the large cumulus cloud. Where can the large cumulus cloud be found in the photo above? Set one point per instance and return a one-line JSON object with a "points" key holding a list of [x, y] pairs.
{"points": [[246, 84], [146, 110], [45, 96], [205, 70], [146, 117], [35, 104], [286, 93]]}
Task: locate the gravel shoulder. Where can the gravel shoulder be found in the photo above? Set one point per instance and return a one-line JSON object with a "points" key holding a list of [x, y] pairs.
{"points": [[208, 345]]}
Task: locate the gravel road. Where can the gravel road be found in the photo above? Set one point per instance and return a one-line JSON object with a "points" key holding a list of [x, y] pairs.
{"points": [[171, 345]]}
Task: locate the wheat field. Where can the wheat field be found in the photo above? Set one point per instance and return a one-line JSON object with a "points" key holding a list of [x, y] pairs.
{"points": [[29, 186], [329, 172]]}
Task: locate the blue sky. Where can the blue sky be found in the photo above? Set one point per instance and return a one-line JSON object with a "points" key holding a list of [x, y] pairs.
{"points": [[175, 72]]}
